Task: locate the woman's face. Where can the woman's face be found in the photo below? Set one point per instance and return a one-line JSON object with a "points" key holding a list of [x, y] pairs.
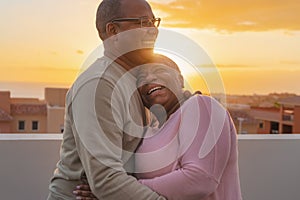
{"points": [[159, 84]]}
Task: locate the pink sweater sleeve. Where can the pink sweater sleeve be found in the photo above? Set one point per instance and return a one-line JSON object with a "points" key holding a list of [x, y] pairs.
{"points": [[188, 182], [197, 176]]}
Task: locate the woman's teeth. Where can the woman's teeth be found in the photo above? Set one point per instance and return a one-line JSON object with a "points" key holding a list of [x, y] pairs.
{"points": [[154, 89]]}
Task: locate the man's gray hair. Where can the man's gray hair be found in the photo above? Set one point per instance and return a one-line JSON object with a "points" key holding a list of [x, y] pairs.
{"points": [[107, 11]]}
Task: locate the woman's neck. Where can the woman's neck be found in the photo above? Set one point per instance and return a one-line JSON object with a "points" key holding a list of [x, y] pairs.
{"points": [[163, 114]]}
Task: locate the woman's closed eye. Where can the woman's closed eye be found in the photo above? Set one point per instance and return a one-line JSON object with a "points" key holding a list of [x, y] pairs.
{"points": [[141, 80]]}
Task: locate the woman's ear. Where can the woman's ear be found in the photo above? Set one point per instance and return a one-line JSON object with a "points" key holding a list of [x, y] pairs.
{"points": [[181, 80]]}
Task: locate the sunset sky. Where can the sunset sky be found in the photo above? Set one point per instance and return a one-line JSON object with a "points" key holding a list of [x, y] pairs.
{"points": [[255, 44]]}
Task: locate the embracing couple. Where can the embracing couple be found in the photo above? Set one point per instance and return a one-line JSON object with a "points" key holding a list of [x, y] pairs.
{"points": [[132, 131]]}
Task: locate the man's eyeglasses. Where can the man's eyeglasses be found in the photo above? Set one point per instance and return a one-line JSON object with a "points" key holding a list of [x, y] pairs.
{"points": [[143, 21]]}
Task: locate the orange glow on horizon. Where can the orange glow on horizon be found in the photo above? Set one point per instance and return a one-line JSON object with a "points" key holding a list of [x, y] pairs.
{"points": [[255, 44]]}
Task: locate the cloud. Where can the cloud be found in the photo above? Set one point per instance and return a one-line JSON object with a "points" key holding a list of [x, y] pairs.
{"points": [[290, 62], [231, 15], [226, 66], [80, 52], [235, 66], [54, 53]]}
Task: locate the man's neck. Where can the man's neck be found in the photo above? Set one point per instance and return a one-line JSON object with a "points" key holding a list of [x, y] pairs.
{"points": [[131, 59]]}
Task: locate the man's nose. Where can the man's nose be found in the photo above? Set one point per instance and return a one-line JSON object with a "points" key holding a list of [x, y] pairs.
{"points": [[152, 30]]}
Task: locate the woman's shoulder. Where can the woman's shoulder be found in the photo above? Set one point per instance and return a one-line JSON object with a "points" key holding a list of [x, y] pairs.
{"points": [[202, 99], [203, 103]]}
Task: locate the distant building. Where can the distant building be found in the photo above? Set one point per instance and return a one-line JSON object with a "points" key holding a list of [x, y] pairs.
{"points": [[285, 119], [31, 115], [242, 118]]}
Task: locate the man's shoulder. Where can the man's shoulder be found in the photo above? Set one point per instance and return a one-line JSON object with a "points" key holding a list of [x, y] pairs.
{"points": [[103, 69], [95, 70]]}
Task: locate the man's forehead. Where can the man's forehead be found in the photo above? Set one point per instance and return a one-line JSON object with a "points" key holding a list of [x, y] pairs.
{"points": [[135, 7]]}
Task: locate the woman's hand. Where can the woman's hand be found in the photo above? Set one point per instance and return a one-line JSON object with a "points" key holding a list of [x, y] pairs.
{"points": [[83, 192]]}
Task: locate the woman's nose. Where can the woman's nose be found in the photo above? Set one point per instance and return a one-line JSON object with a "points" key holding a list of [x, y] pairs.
{"points": [[150, 78]]}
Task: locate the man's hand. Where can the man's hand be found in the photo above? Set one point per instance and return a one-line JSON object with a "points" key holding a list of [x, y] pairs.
{"points": [[83, 192]]}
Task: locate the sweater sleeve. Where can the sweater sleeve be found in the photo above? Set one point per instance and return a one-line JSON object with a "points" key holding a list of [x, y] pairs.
{"points": [[188, 182], [198, 174], [99, 138]]}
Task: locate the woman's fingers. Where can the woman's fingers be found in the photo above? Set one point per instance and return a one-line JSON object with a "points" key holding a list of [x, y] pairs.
{"points": [[84, 187], [83, 192]]}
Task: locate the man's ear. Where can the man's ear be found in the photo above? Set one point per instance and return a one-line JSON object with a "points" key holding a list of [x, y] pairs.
{"points": [[111, 29]]}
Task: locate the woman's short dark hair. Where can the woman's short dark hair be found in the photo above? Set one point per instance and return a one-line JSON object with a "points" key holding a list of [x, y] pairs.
{"points": [[107, 11]]}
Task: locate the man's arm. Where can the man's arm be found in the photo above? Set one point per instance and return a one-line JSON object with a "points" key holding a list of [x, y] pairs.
{"points": [[98, 134]]}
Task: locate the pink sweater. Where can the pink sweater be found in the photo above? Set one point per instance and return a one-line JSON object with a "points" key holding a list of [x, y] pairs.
{"points": [[194, 154]]}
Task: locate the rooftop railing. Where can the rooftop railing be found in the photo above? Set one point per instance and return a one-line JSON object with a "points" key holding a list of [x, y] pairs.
{"points": [[269, 165]]}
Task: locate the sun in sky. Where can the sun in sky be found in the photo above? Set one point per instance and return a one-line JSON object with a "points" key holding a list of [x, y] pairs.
{"points": [[255, 45]]}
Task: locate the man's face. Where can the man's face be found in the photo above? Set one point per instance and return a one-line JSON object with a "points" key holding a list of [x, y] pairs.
{"points": [[134, 36]]}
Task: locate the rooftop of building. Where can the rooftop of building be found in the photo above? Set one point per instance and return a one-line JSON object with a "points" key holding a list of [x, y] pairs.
{"points": [[26, 100], [268, 109], [293, 101]]}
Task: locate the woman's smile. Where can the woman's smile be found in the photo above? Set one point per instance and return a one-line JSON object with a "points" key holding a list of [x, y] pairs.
{"points": [[155, 89]]}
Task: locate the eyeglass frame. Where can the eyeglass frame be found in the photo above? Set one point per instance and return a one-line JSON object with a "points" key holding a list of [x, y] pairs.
{"points": [[140, 20]]}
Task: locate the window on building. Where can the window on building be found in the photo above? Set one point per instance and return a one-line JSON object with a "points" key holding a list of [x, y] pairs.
{"points": [[35, 125], [61, 128], [21, 125], [261, 125]]}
